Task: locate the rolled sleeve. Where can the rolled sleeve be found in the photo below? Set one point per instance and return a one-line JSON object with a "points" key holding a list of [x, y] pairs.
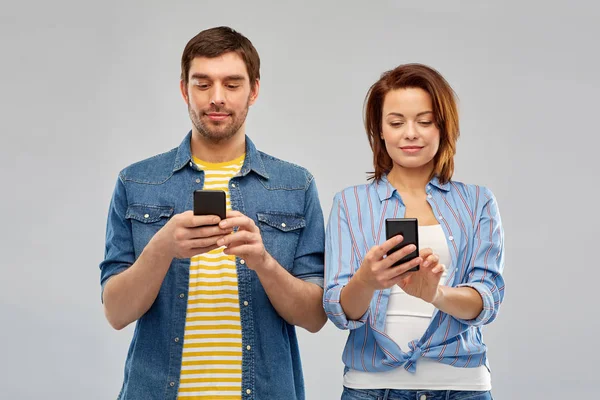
{"points": [[119, 251], [340, 266], [487, 264], [308, 260]]}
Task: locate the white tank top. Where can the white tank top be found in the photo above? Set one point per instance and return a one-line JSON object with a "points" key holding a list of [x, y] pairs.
{"points": [[407, 319]]}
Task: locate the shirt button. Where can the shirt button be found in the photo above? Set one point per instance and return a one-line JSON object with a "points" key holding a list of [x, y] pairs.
{"points": [[246, 303], [176, 340], [283, 224], [423, 397], [172, 384], [191, 163], [146, 215], [450, 238], [429, 196], [242, 262], [441, 216], [248, 348], [197, 180], [248, 391], [181, 295], [233, 185]]}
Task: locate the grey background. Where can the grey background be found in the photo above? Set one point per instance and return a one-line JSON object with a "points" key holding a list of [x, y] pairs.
{"points": [[90, 87]]}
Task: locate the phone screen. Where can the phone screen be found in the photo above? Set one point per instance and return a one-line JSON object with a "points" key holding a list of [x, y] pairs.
{"points": [[409, 229], [210, 202]]}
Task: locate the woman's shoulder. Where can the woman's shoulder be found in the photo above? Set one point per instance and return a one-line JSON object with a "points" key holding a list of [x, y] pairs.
{"points": [[360, 191], [475, 193]]}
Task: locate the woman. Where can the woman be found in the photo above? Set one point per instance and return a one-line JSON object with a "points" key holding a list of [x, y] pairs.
{"points": [[414, 335]]}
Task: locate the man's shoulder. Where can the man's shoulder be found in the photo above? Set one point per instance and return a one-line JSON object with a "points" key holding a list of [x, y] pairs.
{"points": [[155, 169], [285, 173]]}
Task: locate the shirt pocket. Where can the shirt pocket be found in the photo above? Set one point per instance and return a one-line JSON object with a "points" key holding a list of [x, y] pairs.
{"points": [[146, 220], [280, 233]]}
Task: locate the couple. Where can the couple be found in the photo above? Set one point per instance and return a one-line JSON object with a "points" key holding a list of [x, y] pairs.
{"points": [[217, 301]]}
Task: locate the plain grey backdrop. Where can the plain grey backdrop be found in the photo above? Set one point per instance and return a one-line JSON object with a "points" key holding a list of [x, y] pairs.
{"points": [[90, 87]]}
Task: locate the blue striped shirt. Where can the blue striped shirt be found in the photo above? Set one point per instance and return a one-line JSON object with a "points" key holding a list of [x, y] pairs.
{"points": [[469, 216]]}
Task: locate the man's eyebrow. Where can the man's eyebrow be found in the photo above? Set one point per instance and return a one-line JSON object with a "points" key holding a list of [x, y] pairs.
{"points": [[228, 78]]}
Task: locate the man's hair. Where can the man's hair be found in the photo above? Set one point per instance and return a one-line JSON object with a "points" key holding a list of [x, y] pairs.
{"points": [[214, 42]]}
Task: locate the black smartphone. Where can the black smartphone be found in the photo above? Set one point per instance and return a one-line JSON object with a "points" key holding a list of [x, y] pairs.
{"points": [[409, 229], [210, 202]]}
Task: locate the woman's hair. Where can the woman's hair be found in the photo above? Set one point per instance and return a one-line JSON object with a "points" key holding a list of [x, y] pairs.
{"points": [[445, 113]]}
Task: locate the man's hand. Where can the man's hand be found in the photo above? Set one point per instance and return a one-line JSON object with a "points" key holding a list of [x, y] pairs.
{"points": [[186, 235], [246, 242]]}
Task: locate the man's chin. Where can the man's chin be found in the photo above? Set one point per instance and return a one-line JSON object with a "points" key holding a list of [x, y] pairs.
{"points": [[218, 136]]}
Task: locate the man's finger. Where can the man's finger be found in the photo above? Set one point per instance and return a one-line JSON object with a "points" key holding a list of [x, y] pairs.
{"points": [[205, 242], [240, 251], [207, 231], [241, 221], [202, 250], [193, 221], [233, 213], [237, 238]]}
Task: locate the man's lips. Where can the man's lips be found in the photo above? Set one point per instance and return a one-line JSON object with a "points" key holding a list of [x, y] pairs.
{"points": [[217, 116]]}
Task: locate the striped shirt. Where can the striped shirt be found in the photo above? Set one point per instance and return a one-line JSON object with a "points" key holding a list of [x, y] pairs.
{"points": [[469, 216], [211, 366]]}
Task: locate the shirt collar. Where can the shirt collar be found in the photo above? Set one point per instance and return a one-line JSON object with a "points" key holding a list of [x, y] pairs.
{"points": [[252, 162], [385, 190]]}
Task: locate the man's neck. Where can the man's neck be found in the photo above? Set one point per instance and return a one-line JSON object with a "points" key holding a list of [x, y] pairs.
{"points": [[223, 151]]}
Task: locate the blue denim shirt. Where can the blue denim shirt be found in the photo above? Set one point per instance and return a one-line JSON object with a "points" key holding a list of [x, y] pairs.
{"points": [[282, 200]]}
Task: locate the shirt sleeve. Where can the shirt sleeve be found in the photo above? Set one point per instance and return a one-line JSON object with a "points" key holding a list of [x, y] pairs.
{"points": [[119, 251], [484, 273], [340, 266], [308, 261]]}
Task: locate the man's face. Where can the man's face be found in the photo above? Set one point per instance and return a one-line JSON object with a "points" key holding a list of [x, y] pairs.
{"points": [[218, 95]]}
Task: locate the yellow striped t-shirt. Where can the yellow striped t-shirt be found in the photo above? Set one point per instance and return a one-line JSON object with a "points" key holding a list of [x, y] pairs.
{"points": [[211, 367]]}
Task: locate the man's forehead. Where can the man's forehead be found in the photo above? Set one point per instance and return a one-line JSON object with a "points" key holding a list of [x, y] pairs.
{"points": [[227, 64]]}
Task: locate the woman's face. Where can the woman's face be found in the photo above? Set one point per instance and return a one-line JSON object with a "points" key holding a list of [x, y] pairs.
{"points": [[411, 136]]}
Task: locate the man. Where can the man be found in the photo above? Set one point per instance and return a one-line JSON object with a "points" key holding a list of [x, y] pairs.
{"points": [[215, 301]]}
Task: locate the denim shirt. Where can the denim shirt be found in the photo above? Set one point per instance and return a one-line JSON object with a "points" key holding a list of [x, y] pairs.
{"points": [[282, 200]]}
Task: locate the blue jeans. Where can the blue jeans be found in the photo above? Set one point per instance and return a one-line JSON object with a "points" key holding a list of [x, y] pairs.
{"points": [[392, 394]]}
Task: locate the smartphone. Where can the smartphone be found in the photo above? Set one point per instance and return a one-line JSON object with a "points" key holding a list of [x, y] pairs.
{"points": [[409, 229], [210, 202]]}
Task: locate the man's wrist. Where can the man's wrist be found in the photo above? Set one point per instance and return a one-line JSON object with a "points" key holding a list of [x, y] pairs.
{"points": [[268, 265], [156, 248]]}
